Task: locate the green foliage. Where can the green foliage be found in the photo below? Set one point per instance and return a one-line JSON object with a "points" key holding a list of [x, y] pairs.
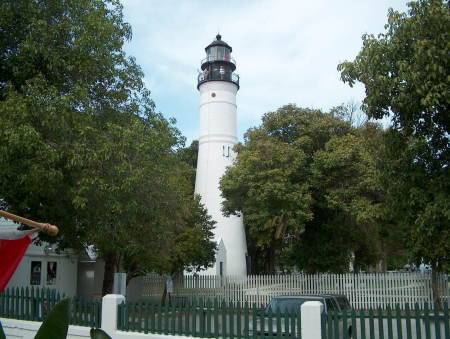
{"points": [[193, 247], [51, 97], [405, 73], [2, 334], [189, 156], [306, 184], [56, 323], [97, 333], [81, 145], [418, 199]]}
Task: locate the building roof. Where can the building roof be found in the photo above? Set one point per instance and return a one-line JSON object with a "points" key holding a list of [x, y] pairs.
{"points": [[8, 225], [218, 42]]}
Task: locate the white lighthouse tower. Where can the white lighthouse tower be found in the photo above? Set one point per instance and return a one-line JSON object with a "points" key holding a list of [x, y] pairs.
{"points": [[218, 86]]}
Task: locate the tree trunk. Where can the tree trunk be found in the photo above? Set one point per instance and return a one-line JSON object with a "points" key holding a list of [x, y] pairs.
{"points": [[164, 295], [108, 277], [434, 287], [130, 276], [178, 279], [271, 260]]}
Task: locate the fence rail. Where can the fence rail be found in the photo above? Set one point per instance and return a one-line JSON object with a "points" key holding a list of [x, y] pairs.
{"points": [[214, 319], [364, 290], [409, 323], [34, 304], [205, 319]]}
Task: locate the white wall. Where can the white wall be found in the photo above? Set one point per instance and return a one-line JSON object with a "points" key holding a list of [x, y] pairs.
{"points": [[90, 278], [216, 140], [66, 271], [22, 329]]}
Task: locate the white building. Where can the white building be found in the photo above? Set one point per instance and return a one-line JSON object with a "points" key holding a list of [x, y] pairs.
{"points": [[218, 86], [42, 267]]}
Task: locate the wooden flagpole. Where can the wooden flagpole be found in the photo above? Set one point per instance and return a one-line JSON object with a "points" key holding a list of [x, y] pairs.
{"points": [[44, 227]]}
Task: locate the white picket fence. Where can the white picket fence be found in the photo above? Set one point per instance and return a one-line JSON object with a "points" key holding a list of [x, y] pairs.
{"points": [[364, 290]]}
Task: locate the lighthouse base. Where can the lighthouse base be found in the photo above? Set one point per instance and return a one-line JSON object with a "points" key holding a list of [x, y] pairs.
{"points": [[222, 268]]}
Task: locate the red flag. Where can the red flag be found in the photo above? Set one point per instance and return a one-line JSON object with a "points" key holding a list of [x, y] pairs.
{"points": [[13, 245]]}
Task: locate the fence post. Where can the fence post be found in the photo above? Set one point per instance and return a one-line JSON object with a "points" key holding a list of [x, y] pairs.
{"points": [[110, 304], [311, 320], [120, 283]]}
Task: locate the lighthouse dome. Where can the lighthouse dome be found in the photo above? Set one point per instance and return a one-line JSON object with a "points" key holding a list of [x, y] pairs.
{"points": [[218, 42]]}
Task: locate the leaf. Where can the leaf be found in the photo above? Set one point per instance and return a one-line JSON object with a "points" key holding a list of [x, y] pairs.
{"points": [[56, 324], [2, 334], [97, 333]]}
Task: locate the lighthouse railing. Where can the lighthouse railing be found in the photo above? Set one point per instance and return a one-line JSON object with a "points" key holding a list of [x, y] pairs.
{"points": [[217, 75]]}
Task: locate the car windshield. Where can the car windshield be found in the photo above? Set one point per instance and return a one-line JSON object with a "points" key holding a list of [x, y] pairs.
{"points": [[343, 302], [331, 304], [284, 306]]}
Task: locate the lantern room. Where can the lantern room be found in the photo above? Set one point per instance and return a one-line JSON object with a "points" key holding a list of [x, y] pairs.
{"points": [[218, 64]]}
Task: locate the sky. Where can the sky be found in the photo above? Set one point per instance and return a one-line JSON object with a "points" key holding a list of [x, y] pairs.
{"points": [[286, 51]]}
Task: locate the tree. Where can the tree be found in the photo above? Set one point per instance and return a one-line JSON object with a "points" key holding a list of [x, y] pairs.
{"points": [[351, 113], [189, 156], [265, 184], [49, 97], [122, 195], [417, 199], [305, 182], [193, 247], [405, 73], [81, 145]]}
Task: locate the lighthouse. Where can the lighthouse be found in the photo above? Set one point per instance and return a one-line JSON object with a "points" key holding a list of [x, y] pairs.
{"points": [[218, 86]]}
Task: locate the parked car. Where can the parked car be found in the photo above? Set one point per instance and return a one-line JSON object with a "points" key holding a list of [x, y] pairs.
{"points": [[291, 305], [342, 302]]}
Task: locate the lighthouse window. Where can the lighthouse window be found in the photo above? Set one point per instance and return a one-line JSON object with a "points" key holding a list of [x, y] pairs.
{"points": [[212, 53], [226, 54], [220, 53], [226, 151]]}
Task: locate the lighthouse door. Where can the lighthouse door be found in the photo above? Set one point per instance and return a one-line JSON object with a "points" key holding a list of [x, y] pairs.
{"points": [[221, 260]]}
